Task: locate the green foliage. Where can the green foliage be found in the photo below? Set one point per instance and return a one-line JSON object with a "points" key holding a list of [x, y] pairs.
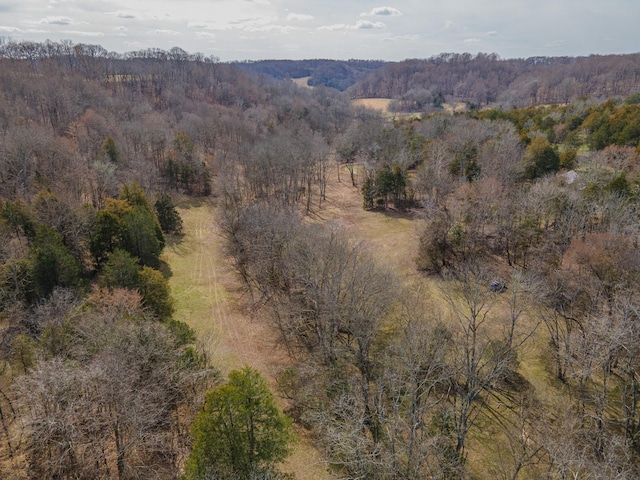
{"points": [[619, 185], [154, 289], [465, 163], [23, 351], [613, 124], [110, 150], [183, 147], [632, 99], [52, 264], [120, 271], [18, 215], [182, 332], [540, 158], [142, 236], [135, 196], [388, 181], [169, 218], [240, 433], [568, 158], [133, 228], [107, 234]]}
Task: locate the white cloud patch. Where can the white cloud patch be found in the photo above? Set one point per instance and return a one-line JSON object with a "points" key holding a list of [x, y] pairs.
{"points": [[367, 25], [284, 29], [206, 35], [359, 25], [7, 29], [125, 15], [56, 21], [336, 26], [471, 40], [173, 33], [79, 33], [382, 11], [299, 17]]}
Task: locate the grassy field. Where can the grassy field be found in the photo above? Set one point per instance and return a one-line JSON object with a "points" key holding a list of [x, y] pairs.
{"points": [[381, 104], [302, 82]]}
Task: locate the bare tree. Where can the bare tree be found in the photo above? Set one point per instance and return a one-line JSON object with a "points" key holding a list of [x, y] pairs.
{"points": [[113, 402]]}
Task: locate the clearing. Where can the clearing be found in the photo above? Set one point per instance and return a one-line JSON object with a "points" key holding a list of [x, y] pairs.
{"points": [[208, 295]]}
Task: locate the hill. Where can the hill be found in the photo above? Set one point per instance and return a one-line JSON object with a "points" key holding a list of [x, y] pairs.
{"points": [[338, 74], [485, 79]]}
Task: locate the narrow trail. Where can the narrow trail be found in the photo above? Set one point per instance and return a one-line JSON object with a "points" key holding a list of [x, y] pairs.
{"points": [[208, 299]]}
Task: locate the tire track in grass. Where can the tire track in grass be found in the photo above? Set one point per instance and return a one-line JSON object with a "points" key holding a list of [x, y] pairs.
{"points": [[208, 299]]}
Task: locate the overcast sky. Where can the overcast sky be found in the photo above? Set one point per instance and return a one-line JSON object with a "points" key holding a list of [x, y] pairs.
{"points": [[337, 29]]}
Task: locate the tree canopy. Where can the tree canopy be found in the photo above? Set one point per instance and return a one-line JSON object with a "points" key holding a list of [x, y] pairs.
{"points": [[240, 433]]}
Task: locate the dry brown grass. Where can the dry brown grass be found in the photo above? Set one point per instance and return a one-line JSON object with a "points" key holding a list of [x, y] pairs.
{"points": [[390, 235], [381, 104], [302, 82]]}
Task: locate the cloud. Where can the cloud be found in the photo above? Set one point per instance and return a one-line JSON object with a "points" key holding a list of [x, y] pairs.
{"points": [[56, 21], [285, 29], [359, 25], [7, 29], [336, 26], [173, 33], [198, 25], [206, 35], [83, 34], [299, 16], [382, 11], [125, 15], [471, 40], [367, 25]]}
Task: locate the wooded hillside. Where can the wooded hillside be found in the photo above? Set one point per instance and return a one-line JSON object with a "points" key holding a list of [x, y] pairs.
{"points": [[485, 79], [510, 349]]}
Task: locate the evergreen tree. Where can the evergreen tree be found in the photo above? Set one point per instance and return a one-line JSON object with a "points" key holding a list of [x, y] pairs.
{"points": [[240, 433], [142, 236], [169, 218], [52, 265]]}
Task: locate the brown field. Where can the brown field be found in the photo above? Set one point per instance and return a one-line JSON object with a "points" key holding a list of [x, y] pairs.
{"points": [[302, 82], [381, 104]]}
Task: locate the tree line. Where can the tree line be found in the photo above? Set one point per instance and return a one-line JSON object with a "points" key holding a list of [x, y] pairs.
{"points": [[485, 79]]}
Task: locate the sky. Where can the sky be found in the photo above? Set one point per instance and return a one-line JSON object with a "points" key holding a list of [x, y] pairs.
{"points": [[390, 30]]}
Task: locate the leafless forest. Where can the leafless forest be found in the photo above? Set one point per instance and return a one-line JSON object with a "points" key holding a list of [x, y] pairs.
{"points": [[511, 352]]}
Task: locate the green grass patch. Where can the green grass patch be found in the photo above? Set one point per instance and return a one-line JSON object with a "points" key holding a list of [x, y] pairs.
{"points": [[192, 258]]}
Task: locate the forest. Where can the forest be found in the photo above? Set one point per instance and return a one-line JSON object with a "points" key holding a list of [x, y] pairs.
{"points": [[510, 349]]}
